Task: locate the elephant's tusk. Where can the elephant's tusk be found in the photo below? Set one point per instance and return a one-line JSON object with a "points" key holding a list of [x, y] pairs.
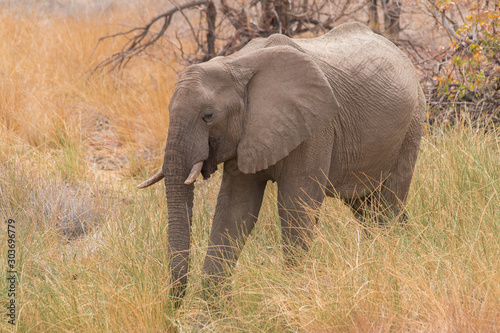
{"points": [[156, 178], [195, 171]]}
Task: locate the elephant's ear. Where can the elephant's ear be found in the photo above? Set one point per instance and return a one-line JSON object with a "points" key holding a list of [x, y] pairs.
{"points": [[288, 99]]}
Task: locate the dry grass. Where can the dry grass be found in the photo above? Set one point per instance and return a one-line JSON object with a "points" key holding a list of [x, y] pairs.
{"points": [[46, 101], [69, 151]]}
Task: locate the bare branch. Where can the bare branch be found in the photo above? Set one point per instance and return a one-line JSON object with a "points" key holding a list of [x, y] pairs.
{"points": [[447, 26], [140, 42]]}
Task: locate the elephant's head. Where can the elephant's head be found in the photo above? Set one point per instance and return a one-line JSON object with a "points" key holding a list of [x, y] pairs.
{"points": [[256, 106]]}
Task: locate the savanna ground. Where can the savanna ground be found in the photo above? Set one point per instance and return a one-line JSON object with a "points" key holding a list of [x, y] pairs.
{"points": [[91, 251]]}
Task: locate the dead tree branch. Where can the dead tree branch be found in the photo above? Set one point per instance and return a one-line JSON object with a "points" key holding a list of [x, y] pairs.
{"points": [[142, 39], [260, 18]]}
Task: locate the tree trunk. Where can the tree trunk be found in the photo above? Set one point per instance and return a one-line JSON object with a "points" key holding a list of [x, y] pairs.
{"points": [[211, 16], [392, 13], [268, 18], [373, 16]]}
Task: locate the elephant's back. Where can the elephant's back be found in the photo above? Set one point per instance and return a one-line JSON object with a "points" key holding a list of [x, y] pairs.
{"points": [[355, 47], [373, 80]]}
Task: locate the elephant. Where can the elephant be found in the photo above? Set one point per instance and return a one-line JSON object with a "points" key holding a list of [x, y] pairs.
{"points": [[338, 115]]}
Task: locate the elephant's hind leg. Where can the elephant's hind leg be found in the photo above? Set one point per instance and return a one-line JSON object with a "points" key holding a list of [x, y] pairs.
{"points": [[372, 207], [388, 199], [394, 190], [360, 207]]}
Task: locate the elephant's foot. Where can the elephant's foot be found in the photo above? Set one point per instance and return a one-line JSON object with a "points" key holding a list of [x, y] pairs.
{"points": [[294, 254], [177, 292], [216, 293]]}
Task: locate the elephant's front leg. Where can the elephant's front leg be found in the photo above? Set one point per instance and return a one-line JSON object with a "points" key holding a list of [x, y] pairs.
{"points": [[237, 209], [301, 190], [299, 201]]}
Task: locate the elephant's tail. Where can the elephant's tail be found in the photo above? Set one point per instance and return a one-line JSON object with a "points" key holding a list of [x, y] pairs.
{"points": [[156, 178]]}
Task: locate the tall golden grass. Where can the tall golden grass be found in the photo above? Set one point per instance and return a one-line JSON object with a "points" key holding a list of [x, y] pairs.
{"points": [[48, 102], [92, 251]]}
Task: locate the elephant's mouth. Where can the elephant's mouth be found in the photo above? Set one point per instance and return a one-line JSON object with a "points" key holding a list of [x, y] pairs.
{"points": [[209, 167], [210, 164]]}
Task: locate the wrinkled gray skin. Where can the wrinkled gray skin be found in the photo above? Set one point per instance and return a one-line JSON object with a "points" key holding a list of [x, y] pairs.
{"points": [[340, 114]]}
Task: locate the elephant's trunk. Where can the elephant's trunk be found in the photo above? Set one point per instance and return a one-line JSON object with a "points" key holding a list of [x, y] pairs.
{"points": [[180, 168], [179, 205]]}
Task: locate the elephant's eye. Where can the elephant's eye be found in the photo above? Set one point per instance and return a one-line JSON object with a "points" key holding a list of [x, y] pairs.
{"points": [[207, 117]]}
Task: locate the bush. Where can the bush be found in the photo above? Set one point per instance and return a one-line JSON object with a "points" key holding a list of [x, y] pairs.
{"points": [[468, 78]]}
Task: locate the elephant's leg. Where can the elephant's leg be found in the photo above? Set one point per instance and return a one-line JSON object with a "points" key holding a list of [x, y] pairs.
{"points": [[237, 209], [360, 207], [369, 207], [302, 180], [387, 201], [298, 205], [395, 188]]}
